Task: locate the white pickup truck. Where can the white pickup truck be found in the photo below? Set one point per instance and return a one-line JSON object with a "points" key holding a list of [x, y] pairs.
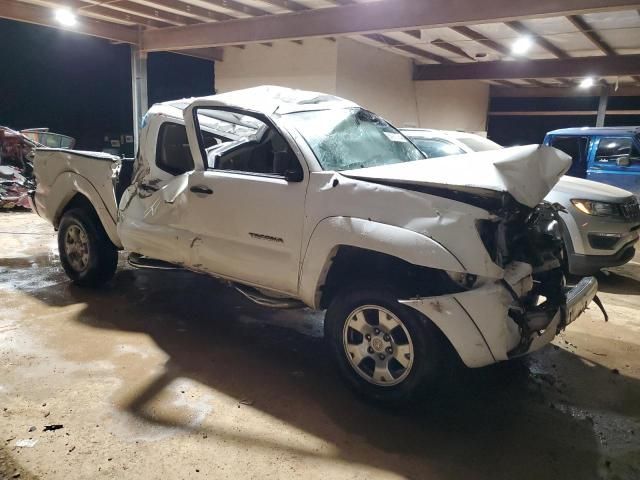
{"points": [[299, 198]]}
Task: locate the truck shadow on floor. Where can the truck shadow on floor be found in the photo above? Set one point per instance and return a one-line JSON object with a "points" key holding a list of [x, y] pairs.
{"points": [[508, 421], [621, 280]]}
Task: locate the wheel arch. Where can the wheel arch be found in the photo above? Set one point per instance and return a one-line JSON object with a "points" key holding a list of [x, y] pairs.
{"points": [[354, 245]]}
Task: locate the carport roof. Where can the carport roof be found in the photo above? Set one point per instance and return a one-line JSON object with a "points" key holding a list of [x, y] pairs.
{"points": [[570, 39]]}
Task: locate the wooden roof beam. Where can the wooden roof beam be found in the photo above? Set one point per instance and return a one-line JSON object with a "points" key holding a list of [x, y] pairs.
{"points": [[392, 42], [363, 18], [540, 40], [588, 31], [619, 65], [481, 39], [23, 12]]}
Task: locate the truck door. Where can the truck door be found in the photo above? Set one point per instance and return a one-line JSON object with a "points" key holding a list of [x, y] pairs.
{"points": [[616, 161], [244, 203], [577, 148]]}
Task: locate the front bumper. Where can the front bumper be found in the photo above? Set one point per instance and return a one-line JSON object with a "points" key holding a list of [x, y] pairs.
{"points": [[593, 243], [591, 264], [479, 322]]}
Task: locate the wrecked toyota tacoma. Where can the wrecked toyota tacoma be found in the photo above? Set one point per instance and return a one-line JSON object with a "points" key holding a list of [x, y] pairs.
{"points": [[304, 199]]}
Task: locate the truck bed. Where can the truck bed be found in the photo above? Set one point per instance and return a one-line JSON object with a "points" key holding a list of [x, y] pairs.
{"points": [[61, 174]]}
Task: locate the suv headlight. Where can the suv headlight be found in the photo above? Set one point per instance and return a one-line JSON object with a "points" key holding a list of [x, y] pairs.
{"points": [[600, 209]]}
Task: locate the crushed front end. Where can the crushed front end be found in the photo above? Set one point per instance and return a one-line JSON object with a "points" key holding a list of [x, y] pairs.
{"points": [[497, 319]]}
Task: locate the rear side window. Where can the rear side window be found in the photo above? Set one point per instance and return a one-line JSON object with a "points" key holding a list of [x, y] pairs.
{"points": [[576, 148], [611, 149], [172, 152], [433, 148]]}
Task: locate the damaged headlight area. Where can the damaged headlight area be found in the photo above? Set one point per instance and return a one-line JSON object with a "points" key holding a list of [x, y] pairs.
{"points": [[525, 235], [534, 237]]}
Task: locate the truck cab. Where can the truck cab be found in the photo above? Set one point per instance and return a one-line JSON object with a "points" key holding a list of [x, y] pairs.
{"points": [[609, 155]]}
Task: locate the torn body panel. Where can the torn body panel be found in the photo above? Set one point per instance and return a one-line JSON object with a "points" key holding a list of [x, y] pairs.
{"points": [[527, 172], [481, 323]]}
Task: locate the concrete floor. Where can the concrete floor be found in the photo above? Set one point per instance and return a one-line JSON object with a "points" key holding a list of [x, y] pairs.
{"points": [[172, 375]]}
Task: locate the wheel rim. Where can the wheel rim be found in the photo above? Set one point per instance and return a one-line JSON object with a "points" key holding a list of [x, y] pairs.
{"points": [[76, 247], [378, 345]]}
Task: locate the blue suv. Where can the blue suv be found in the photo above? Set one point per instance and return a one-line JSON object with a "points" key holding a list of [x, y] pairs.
{"points": [[607, 154]]}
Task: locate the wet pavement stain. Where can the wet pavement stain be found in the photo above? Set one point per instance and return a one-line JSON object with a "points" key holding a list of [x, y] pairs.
{"points": [[162, 373]]}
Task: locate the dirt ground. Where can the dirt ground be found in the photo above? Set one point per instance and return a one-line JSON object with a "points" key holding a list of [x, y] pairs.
{"points": [[173, 375]]}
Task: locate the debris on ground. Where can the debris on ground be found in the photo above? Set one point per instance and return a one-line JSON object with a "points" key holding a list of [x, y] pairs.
{"points": [[26, 442], [54, 426], [32, 429], [245, 401], [615, 371]]}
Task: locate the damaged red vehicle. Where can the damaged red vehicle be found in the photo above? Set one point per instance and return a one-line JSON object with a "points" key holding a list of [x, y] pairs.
{"points": [[17, 149]]}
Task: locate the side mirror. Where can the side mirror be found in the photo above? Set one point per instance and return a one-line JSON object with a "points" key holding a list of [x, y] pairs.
{"points": [[623, 161], [284, 163], [294, 175]]}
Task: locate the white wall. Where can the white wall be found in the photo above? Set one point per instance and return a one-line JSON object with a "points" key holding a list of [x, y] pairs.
{"points": [[374, 78], [378, 80], [453, 104], [310, 66]]}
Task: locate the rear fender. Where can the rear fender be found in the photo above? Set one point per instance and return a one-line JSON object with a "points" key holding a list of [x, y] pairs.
{"points": [[60, 193]]}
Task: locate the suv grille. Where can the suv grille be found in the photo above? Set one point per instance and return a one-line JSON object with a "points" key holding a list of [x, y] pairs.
{"points": [[630, 209]]}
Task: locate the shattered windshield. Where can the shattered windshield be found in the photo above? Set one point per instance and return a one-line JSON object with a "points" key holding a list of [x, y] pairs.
{"points": [[349, 138]]}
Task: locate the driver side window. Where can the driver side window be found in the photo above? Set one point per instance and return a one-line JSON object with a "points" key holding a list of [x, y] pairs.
{"points": [[253, 145], [271, 155], [610, 150]]}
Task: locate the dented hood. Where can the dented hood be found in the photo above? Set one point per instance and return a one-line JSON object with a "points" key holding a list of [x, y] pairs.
{"points": [[528, 173]]}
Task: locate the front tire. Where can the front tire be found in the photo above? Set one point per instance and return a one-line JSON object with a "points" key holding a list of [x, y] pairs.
{"points": [[386, 351], [87, 255]]}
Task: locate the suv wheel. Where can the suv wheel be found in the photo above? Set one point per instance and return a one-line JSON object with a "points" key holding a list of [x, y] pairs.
{"points": [[385, 350], [86, 253]]}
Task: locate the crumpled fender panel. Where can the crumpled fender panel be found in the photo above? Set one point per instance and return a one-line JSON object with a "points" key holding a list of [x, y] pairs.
{"points": [[399, 242], [476, 322]]}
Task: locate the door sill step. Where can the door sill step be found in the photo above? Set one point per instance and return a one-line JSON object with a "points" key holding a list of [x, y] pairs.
{"points": [[140, 261], [260, 298]]}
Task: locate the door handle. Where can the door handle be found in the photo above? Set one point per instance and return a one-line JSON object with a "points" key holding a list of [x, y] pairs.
{"points": [[201, 189]]}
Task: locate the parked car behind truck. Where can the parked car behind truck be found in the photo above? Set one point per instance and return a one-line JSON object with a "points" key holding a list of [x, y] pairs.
{"points": [[299, 198], [607, 154], [600, 223]]}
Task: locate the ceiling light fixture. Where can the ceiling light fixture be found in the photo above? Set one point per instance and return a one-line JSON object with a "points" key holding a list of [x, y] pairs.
{"points": [[587, 82], [66, 17], [521, 46]]}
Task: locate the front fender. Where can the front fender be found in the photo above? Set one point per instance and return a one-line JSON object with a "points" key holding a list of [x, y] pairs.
{"points": [[50, 202], [333, 232]]}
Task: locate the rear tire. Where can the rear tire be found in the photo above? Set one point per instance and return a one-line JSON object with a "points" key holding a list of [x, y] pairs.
{"points": [[87, 255], [387, 352]]}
